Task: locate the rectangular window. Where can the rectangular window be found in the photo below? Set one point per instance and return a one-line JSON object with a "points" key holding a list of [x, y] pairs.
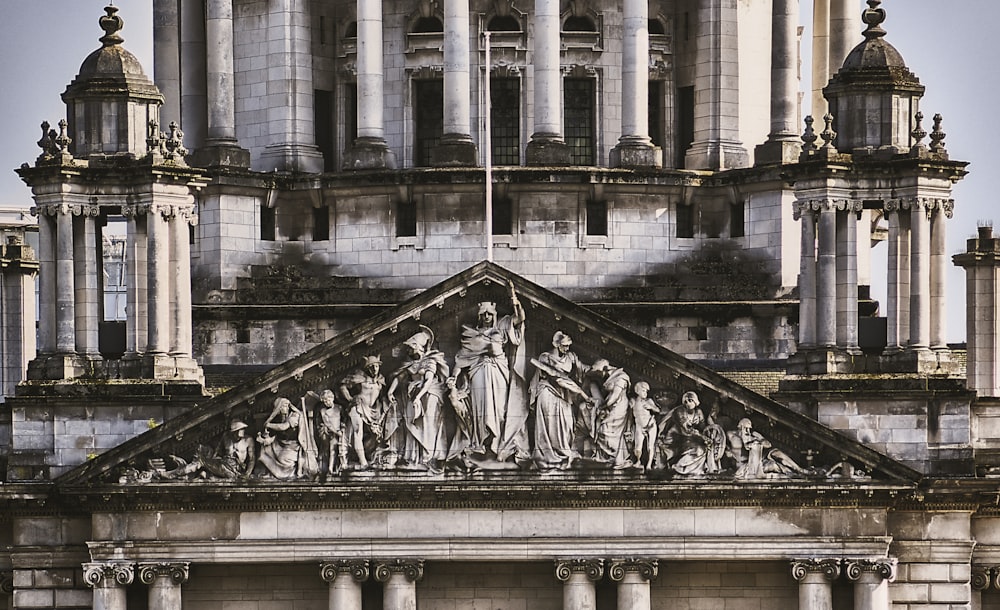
{"points": [[685, 220], [406, 219], [737, 219], [321, 223], [429, 118], [505, 117], [579, 117], [267, 217], [350, 114], [503, 216], [655, 110], [597, 217], [685, 122], [323, 125]]}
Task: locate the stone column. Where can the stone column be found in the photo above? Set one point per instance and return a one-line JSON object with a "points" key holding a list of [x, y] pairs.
{"points": [[807, 277], [898, 277], [783, 144], [46, 281], [920, 277], [65, 285], [847, 274], [815, 577], [716, 116], [180, 277], [939, 272], [399, 578], [845, 31], [370, 150], [635, 148], [820, 56], [164, 581], [109, 581], [826, 277], [18, 269], [871, 582], [578, 577], [456, 147], [158, 279], [981, 262], [547, 146], [345, 577], [167, 58], [194, 104], [136, 312], [633, 576], [87, 276], [220, 147]]}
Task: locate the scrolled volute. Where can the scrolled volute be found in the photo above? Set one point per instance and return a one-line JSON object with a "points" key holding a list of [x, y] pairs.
{"points": [[830, 568], [118, 573], [413, 569], [6, 582], [359, 569], [981, 577], [883, 567], [648, 569], [592, 567], [177, 572]]}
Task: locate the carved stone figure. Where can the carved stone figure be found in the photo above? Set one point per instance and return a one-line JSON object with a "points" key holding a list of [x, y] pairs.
{"points": [[693, 444], [232, 459], [612, 415], [331, 433], [419, 436], [758, 459], [494, 381], [646, 429], [288, 448], [552, 393], [362, 389]]}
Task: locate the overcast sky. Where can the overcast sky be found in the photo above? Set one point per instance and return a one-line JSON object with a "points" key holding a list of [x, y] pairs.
{"points": [[951, 46]]}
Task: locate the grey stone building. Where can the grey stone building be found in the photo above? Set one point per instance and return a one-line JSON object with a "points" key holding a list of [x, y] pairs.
{"points": [[495, 304]]}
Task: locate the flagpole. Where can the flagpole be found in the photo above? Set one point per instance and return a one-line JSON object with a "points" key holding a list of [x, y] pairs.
{"points": [[488, 149]]}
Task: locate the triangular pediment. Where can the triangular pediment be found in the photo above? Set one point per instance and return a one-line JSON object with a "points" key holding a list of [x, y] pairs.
{"points": [[520, 413]]}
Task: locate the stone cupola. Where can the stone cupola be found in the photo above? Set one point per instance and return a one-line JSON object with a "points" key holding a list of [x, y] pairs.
{"points": [[874, 95], [111, 102]]}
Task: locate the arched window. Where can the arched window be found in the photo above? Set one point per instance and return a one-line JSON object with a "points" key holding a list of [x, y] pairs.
{"points": [[352, 30], [656, 27], [428, 25], [504, 24], [579, 24]]}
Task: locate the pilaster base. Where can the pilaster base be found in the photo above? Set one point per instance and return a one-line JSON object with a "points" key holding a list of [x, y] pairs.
{"points": [[774, 152], [716, 156], [167, 367], [455, 150], [635, 153], [52, 367], [369, 153], [547, 151], [221, 153], [292, 157], [821, 361], [920, 361]]}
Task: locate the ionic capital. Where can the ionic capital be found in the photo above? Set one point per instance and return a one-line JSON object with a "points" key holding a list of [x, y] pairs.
{"points": [[412, 569], [6, 582], [883, 567], [177, 572], [358, 569], [830, 568], [593, 568], [108, 574], [982, 577], [648, 569]]}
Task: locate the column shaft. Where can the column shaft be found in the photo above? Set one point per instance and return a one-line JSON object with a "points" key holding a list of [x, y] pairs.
{"points": [[219, 69], [820, 55], [784, 70], [844, 31], [46, 283], [871, 592], [920, 279], [635, 71], [826, 278], [164, 581], [194, 104], [345, 593], [847, 278], [158, 281], [457, 105], [370, 94], [180, 306], [167, 59], [65, 285], [136, 310], [548, 77], [87, 276], [815, 592], [938, 280], [109, 597], [633, 592], [898, 287], [807, 281], [400, 593]]}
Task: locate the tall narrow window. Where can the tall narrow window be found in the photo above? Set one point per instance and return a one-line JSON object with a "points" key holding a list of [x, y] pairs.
{"points": [[406, 218], [267, 217], [429, 113], [655, 111], [737, 219], [597, 217], [350, 114], [321, 223], [503, 216], [685, 122], [579, 127], [323, 125], [505, 117], [685, 220]]}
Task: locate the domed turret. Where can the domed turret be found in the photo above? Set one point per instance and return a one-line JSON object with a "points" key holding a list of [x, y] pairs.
{"points": [[874, 95], [111, 101]]}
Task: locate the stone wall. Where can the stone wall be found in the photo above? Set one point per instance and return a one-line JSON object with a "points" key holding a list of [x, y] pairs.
{"points": [[744, 585]]}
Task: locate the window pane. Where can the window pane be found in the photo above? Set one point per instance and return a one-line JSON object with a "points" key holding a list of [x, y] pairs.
{"points": [[505, 117], [579, 102], [406, 219], [429, 113], [597, 217]]}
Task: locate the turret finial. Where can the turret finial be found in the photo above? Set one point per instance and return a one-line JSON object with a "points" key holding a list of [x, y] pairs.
{"points": [[874, 17], [111, 24]]}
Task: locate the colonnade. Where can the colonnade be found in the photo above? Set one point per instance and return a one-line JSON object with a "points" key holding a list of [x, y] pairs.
{"points": [[399, 578]]}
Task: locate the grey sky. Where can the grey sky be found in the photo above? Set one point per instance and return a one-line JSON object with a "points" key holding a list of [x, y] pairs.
{"points": [[950, 46]]}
